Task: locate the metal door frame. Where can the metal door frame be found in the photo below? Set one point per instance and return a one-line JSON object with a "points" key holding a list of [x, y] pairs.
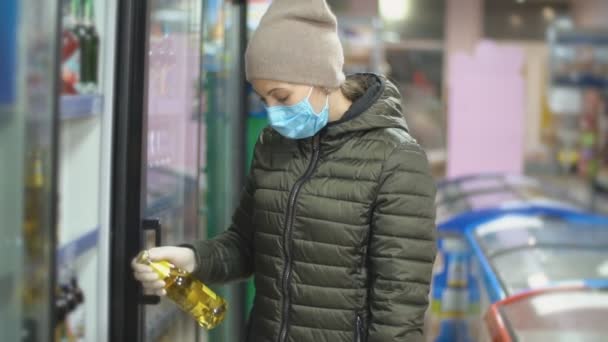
{"points": [[125, 317]]}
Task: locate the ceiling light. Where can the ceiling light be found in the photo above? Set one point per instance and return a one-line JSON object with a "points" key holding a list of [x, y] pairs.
{"points": [[394, 10], [548, 13], [515, 20]]}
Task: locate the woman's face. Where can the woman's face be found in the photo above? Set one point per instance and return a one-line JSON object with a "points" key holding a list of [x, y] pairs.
{"points": [[275, 93]]}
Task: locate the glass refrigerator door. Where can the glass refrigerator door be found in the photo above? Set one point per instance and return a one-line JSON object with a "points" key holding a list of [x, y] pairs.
{"points": [[223, 144], [171, 159], [84, 169], [28, 117], [567, 315], [536, 256]]}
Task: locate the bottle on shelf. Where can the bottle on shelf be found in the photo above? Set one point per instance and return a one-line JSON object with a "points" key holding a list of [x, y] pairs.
{"points": [[34, 204], [33, 291], [70, 54], [61, 312], [80, 31], [69, 308], [191, 295], [90, 56], [77, 291], [76, 318]]}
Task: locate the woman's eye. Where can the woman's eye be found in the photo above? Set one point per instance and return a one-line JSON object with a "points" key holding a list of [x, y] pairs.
{"points": [[283, 99]]}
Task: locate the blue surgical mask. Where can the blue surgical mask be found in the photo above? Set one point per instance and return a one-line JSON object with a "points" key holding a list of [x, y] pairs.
{"points": [[298, 121]]}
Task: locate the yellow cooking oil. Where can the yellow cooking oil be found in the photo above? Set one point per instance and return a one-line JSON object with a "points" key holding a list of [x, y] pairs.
{"points": [[190, 294]]}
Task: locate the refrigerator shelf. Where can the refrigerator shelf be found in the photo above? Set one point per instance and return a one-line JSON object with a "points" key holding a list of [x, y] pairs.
{"points": [[80, 106]]}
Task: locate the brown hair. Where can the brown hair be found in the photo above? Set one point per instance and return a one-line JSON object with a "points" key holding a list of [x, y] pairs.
{"points": [[354, 87]]}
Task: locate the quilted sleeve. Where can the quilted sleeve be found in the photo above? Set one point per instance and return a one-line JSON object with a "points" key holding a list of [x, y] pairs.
{"points": [[402, 247], [229, 256]]}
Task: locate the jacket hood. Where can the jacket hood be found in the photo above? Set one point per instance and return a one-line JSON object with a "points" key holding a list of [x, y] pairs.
{"points": [[378, 108]]}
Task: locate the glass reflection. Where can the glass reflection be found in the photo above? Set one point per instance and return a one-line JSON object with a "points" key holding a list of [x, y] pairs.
{"points": [[27, 177], [171, 170]]}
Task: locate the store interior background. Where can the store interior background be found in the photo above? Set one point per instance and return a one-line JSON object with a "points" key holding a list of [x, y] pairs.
{"points": [[479, 79], [486, 89]]}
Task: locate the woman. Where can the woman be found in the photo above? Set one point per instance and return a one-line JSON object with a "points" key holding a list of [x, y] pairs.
{"points": [[336, 222]]}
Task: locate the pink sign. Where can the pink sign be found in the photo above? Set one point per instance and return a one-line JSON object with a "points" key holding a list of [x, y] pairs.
{"points": [[486, 107]]}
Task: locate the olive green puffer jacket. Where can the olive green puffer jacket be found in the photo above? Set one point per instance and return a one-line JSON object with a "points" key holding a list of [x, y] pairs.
{"points": [[338, 230]]}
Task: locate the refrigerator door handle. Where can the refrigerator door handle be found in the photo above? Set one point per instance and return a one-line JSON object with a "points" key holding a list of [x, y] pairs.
{"points": [[151, 224]]}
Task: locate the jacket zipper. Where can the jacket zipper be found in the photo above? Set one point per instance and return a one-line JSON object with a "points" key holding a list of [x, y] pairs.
{"points": [[289, 218], [359, 331]]}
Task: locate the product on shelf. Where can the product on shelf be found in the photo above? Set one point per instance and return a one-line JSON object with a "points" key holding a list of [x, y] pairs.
{"points": [[33, 291], [69, 311], [80, 31], [80, 49], [70, 57], [90, 50], [579, 80], [35, 188], [76, 318], [589, 142], [61, 312], [191, 295]]}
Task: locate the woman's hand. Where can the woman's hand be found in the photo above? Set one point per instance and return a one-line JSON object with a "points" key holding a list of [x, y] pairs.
{"points": [[181, 257]]}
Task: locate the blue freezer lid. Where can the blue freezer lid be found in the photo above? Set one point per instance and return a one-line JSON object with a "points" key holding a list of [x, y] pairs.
{"points": [[520, 252]]}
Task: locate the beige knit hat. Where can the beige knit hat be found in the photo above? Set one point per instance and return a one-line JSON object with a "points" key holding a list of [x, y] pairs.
{"points": [[297, 42]]}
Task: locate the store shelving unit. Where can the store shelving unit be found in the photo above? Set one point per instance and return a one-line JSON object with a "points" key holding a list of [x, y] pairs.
{"points": [[80, 106], [578, 93]]}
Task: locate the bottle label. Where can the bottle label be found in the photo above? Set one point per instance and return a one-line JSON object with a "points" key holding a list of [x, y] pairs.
{"points": [[71, 70], [210, 293]]}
